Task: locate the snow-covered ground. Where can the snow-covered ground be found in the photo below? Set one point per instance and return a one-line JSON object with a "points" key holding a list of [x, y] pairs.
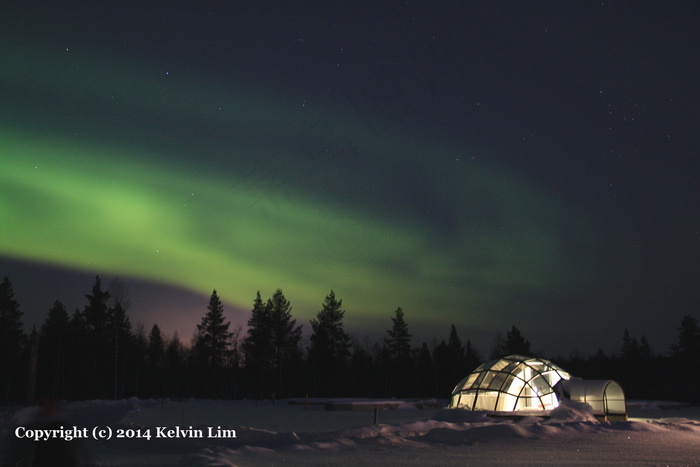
{"points": [[281, 433]]}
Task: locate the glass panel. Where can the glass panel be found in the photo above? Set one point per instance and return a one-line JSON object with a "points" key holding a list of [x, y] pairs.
{"points": [[459, 386], [470, 381], [527, 403], [486, 400], [463, 401], [487, 379], [499, 365], [506, 402], [511, 367], [468, 400], [498, 380], [514, 385], [527, 392], [550, 401], [478, 380], [540, 385], [535, 367], [552, 377], [454, 402]]}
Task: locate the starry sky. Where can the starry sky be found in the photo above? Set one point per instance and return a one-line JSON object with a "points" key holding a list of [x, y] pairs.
{"points": [[486, 164]]}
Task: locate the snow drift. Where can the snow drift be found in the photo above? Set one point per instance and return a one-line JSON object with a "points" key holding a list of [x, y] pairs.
{"points": [[268, 434]]}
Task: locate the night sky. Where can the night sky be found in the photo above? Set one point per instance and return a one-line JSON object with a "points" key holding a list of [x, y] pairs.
{"points": [[486, 164]]}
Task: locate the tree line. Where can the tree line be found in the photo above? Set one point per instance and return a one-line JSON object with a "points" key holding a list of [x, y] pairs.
{"points": [[96, 352]]}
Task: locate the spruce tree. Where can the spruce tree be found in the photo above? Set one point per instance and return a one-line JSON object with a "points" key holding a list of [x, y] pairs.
{"points": [[685, 354], [471, 356], [687, 348], [99, 369], [156, 347], [11, 334], [456, 350], [56, 323], [457, 364], [630, 347], [118, 330], [516, 344], [175, 380], [330, 344], [213, 337], [425, 374], [55, 340], [12, 340], [155, 361], [285, 339], [399, 341], [398, 365], [329, 341], [257, 346], [96, 310]]}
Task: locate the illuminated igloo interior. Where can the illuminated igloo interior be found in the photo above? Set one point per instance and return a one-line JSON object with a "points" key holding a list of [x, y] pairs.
{"points": [[526, 384], [513, 383]]}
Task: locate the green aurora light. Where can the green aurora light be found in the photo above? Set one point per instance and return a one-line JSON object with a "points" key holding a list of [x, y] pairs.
{"points": [[107, 178]]}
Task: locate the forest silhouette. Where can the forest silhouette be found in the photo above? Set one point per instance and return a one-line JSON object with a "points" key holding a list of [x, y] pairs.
{"points": [[97, 353]]}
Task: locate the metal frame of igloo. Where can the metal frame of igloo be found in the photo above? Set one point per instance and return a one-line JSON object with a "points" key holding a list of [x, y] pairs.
{"points": [[510, 384], [519, 384]]}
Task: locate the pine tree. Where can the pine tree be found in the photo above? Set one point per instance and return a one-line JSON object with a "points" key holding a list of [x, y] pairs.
{"points": [[630, 347], [156, 347], [425, 374], [396, 358], [330, 344], [33, 350], [175, 371], [498, 347], [399, 341], [516, 344], [155, 361], [687, 349], [451, 364], [137, 350], [457, 362], [456, 350], [213, 337], [285, 339], [329, 341], [118, 329], [211, 347], [362, 371], [236, 346], [11, 334], [257, 346], [96, 310], [56, 323], [12, 340], [99, 373], [471, 356], [53, 350], [687, 364]]}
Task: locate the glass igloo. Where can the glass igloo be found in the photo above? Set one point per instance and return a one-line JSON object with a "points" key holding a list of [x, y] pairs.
{"points": [[513, 383]]}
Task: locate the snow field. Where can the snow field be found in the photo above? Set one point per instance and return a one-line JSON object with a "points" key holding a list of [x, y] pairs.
{"points": [[280, 433]]}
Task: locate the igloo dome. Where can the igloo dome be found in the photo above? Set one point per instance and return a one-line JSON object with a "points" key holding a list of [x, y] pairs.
{"points": [[512, 383]]}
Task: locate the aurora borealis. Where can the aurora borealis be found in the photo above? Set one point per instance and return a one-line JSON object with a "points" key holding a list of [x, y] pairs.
{"points": [[206, 159]]}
